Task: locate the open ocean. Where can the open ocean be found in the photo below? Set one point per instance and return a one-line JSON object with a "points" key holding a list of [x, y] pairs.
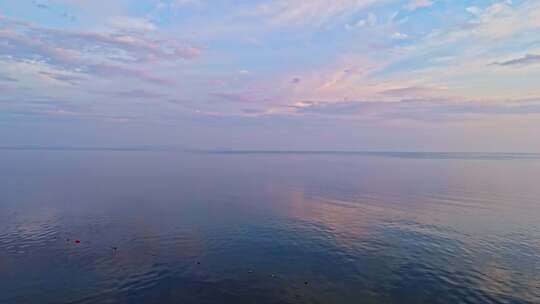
{"points": [[165, 226]]}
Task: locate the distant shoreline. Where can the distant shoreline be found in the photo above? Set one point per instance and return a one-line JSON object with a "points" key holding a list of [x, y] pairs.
{"points": [[393, 154]]}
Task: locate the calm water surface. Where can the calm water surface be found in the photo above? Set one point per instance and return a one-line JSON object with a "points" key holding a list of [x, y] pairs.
{"points": [[172, 227]]}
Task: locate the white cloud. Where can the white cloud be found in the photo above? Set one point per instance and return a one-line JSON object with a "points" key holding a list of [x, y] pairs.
{"points": [[416, 4], [399, 36], [502, 19], [131, 23], [115, 53], [369, 21], [313, 12]]}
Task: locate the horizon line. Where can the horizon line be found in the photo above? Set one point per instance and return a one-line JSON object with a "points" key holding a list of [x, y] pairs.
{"points": [[396, 153], [228, 150]]}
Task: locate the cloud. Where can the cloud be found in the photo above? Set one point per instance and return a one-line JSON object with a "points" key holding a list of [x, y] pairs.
{"points": [[108, 70], [330, 108], [177, 4], [369, 21], [528, 59], [67, 78], [503, 19], [137, 93], [121, 46], [313, 12], [132, 23], [99, 53], [7, 79], [416, 4], [368, 77], [412, 91], [399, 36], [251, 96], [40, 5], [417, 109], [134, 45]]}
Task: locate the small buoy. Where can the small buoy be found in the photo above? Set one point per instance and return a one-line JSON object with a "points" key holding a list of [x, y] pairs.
{"points": [[273, 275], [114, 248], [250, 271], [77, 241], [305, 283], [198, 263]]}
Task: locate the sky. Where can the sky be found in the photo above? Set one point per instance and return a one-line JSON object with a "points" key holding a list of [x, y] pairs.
{"points": [[385, 75]]}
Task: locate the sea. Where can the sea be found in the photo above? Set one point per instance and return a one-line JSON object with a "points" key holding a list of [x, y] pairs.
{"points": [[142, 225]]}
